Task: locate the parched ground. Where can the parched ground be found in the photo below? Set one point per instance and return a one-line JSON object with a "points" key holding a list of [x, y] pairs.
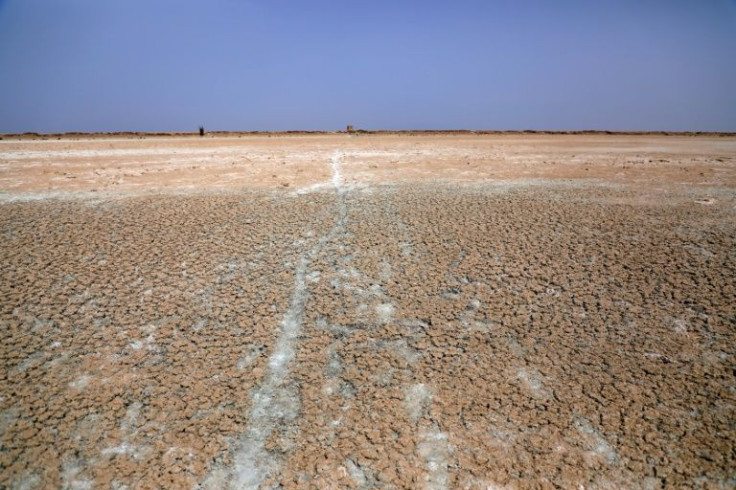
{"points": [[394, 311]]}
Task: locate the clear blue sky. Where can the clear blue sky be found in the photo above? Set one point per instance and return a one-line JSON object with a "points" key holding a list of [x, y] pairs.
{"points": [[169, 65]]}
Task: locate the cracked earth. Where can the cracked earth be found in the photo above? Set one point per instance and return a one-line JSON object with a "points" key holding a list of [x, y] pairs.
{"points": [[334, 311]]}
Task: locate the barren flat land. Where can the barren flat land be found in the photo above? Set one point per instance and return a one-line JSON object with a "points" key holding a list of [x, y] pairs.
{"points": [[434, 311]]}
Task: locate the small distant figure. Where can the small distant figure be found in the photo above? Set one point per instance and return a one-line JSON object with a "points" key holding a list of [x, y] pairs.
{"points": [[201, 130], [350, 128]]}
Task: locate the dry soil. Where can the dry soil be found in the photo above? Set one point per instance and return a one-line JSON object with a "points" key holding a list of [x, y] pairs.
{"points": [[394, 311]]}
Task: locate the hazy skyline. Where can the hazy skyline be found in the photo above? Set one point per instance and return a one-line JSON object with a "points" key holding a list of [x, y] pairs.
{"points": [[86, 65]]}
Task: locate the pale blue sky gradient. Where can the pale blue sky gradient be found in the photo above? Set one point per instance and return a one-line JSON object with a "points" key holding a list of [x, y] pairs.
{"points": [[170, 65]]}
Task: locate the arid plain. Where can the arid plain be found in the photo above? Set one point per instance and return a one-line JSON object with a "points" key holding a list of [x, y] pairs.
{"points": [[368, 311]]}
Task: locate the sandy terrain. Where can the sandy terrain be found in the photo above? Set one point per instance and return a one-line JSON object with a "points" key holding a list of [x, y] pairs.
{"points": [[156, 164], [361, 311]]}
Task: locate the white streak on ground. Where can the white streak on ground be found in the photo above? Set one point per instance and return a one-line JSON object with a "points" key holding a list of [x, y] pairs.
{"points": [[311, 188], [135, 452], [533, 382], [276, 402], [417, 400], [595, 441], [432, 446], [72, 477], [385, 312], [336, 172], [435, 451]]}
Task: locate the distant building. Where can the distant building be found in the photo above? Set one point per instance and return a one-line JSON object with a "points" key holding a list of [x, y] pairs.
{"points": [[350, 128]]}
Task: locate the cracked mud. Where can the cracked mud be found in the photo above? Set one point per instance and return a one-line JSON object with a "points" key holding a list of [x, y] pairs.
{"points": [[371, 327]]}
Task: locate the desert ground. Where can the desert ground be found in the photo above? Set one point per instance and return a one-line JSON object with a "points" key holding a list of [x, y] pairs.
{"points": [[432, 311]]}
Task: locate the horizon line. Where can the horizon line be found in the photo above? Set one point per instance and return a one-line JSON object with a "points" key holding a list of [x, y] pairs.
{"points": [[195, 133]]}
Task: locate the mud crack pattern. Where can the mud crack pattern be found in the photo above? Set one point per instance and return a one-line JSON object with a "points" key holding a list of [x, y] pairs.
{"points": [[402, 336]]}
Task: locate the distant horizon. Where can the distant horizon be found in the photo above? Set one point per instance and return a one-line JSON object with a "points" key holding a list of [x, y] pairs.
{"points": [[195, 132], [503, 65]]}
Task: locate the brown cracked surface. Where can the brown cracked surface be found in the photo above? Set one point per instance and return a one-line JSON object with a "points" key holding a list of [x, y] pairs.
{"points": [[446, 330]]}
